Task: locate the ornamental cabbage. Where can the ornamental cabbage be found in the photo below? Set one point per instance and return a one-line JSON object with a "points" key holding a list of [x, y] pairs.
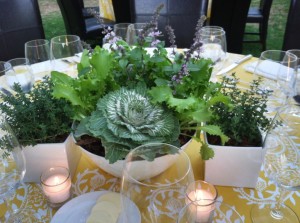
{"points": [[125, 119]]}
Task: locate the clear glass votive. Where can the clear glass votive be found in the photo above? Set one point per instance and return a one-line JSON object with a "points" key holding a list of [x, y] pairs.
{"points": [[56, 184], [204, 196]]}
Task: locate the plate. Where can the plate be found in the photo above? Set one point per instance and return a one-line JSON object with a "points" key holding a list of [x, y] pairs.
{"points": [[78, 209]]}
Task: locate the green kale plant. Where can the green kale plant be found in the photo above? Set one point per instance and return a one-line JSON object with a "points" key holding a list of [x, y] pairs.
{"points": [[244, 119], [179, 84], [37, 117]]}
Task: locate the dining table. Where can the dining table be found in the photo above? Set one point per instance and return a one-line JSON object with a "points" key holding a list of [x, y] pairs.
{"points": [[88, 177]]}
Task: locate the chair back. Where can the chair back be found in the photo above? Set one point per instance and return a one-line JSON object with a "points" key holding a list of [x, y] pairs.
{"points": [[181, 15], [292, 30], [71, 11], [20, 21], [122, 11], [232, 16]]}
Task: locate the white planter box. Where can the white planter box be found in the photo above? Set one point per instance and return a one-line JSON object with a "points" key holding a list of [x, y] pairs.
{"points": [[43, 156], [234, 166]]}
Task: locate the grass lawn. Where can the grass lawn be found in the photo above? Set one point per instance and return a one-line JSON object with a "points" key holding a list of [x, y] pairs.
{"points": [[54, 25]]}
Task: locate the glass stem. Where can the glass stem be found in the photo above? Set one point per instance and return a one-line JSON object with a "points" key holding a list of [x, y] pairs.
{"points": [[276, 211]]}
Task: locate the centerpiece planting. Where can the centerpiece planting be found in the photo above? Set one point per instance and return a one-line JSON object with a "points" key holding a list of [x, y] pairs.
{"points": [[124, 97]]}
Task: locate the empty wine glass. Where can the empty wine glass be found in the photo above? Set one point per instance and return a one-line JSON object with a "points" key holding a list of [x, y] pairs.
{"points": [[155, 177], [12, 171], [20, 73], [38, 54], [297, 84], [65, 53], [278, 68], [281, 165], [121, 29], [214, 46], [133, 32], [4, 68]]}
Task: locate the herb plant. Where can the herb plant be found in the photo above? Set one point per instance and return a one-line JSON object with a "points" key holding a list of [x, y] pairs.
{"points": [[243, 119], [180, 85], [37, 117]]}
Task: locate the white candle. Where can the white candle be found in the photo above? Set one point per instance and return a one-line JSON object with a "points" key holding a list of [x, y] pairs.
{"points": [[205, 205], [212, 51], [57, 188]]}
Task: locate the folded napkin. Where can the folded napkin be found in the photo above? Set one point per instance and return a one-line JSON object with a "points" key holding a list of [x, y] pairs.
{"points": [[268, 69]]}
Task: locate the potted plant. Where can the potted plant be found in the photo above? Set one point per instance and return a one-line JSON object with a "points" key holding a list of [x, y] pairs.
{"points": [[125, 96], [238, 162], [42, 125]]}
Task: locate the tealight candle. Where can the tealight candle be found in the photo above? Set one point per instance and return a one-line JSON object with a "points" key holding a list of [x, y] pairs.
{"points": [[204, 195], [56, 184]]}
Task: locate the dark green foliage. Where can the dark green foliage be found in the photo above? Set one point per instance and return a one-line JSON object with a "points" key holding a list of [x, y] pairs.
{"points": [[37, 117], [244, 117]]}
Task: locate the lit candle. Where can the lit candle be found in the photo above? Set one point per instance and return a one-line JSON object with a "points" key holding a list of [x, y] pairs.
{"points": [[205, 205], [56, 185]]}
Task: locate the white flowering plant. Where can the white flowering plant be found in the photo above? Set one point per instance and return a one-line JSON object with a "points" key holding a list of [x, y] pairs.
{"points": [[127, 97]]}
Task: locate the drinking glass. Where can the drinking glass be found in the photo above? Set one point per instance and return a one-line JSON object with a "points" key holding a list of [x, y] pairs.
{"points": [[297, 84], [214, 212], [4, 68], [38, 53], [155, 178], [278, 68], [65, 53], [20, 73], [12, 171], [281, 165], [214, 46], [121, 29], [133, 32]]}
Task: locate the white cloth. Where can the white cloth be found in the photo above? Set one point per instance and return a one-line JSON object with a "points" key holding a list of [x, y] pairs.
{"points": [[268, 69]]}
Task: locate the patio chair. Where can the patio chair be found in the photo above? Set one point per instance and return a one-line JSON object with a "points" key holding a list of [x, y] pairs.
{"points": [[76, 24], [292, 30], [20, 21], [181, 15], [231, 15], [259, 15]]}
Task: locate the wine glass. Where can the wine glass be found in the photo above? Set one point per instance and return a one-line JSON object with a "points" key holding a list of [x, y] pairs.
{"points": [[20, 73], [4, 68], [214, 45], [297, 85], [278, 68], [65, 53], [12, 171], [154, 180], [133, 32], [281, 165], [121, 29], [38, 53]]}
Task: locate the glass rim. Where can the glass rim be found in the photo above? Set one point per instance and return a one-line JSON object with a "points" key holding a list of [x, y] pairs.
{"points": [[280, 53], [37, 42], [70, 39], [187, 159], [67, 176], [12, 61]]}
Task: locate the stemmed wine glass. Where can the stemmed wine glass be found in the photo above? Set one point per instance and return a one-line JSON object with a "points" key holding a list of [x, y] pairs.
{"points": [[214, 45], [38, 54], [65, 53], [12, 171], [281, 165], [278, 68], [154, 181], [297, 84], [20, 73]]}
